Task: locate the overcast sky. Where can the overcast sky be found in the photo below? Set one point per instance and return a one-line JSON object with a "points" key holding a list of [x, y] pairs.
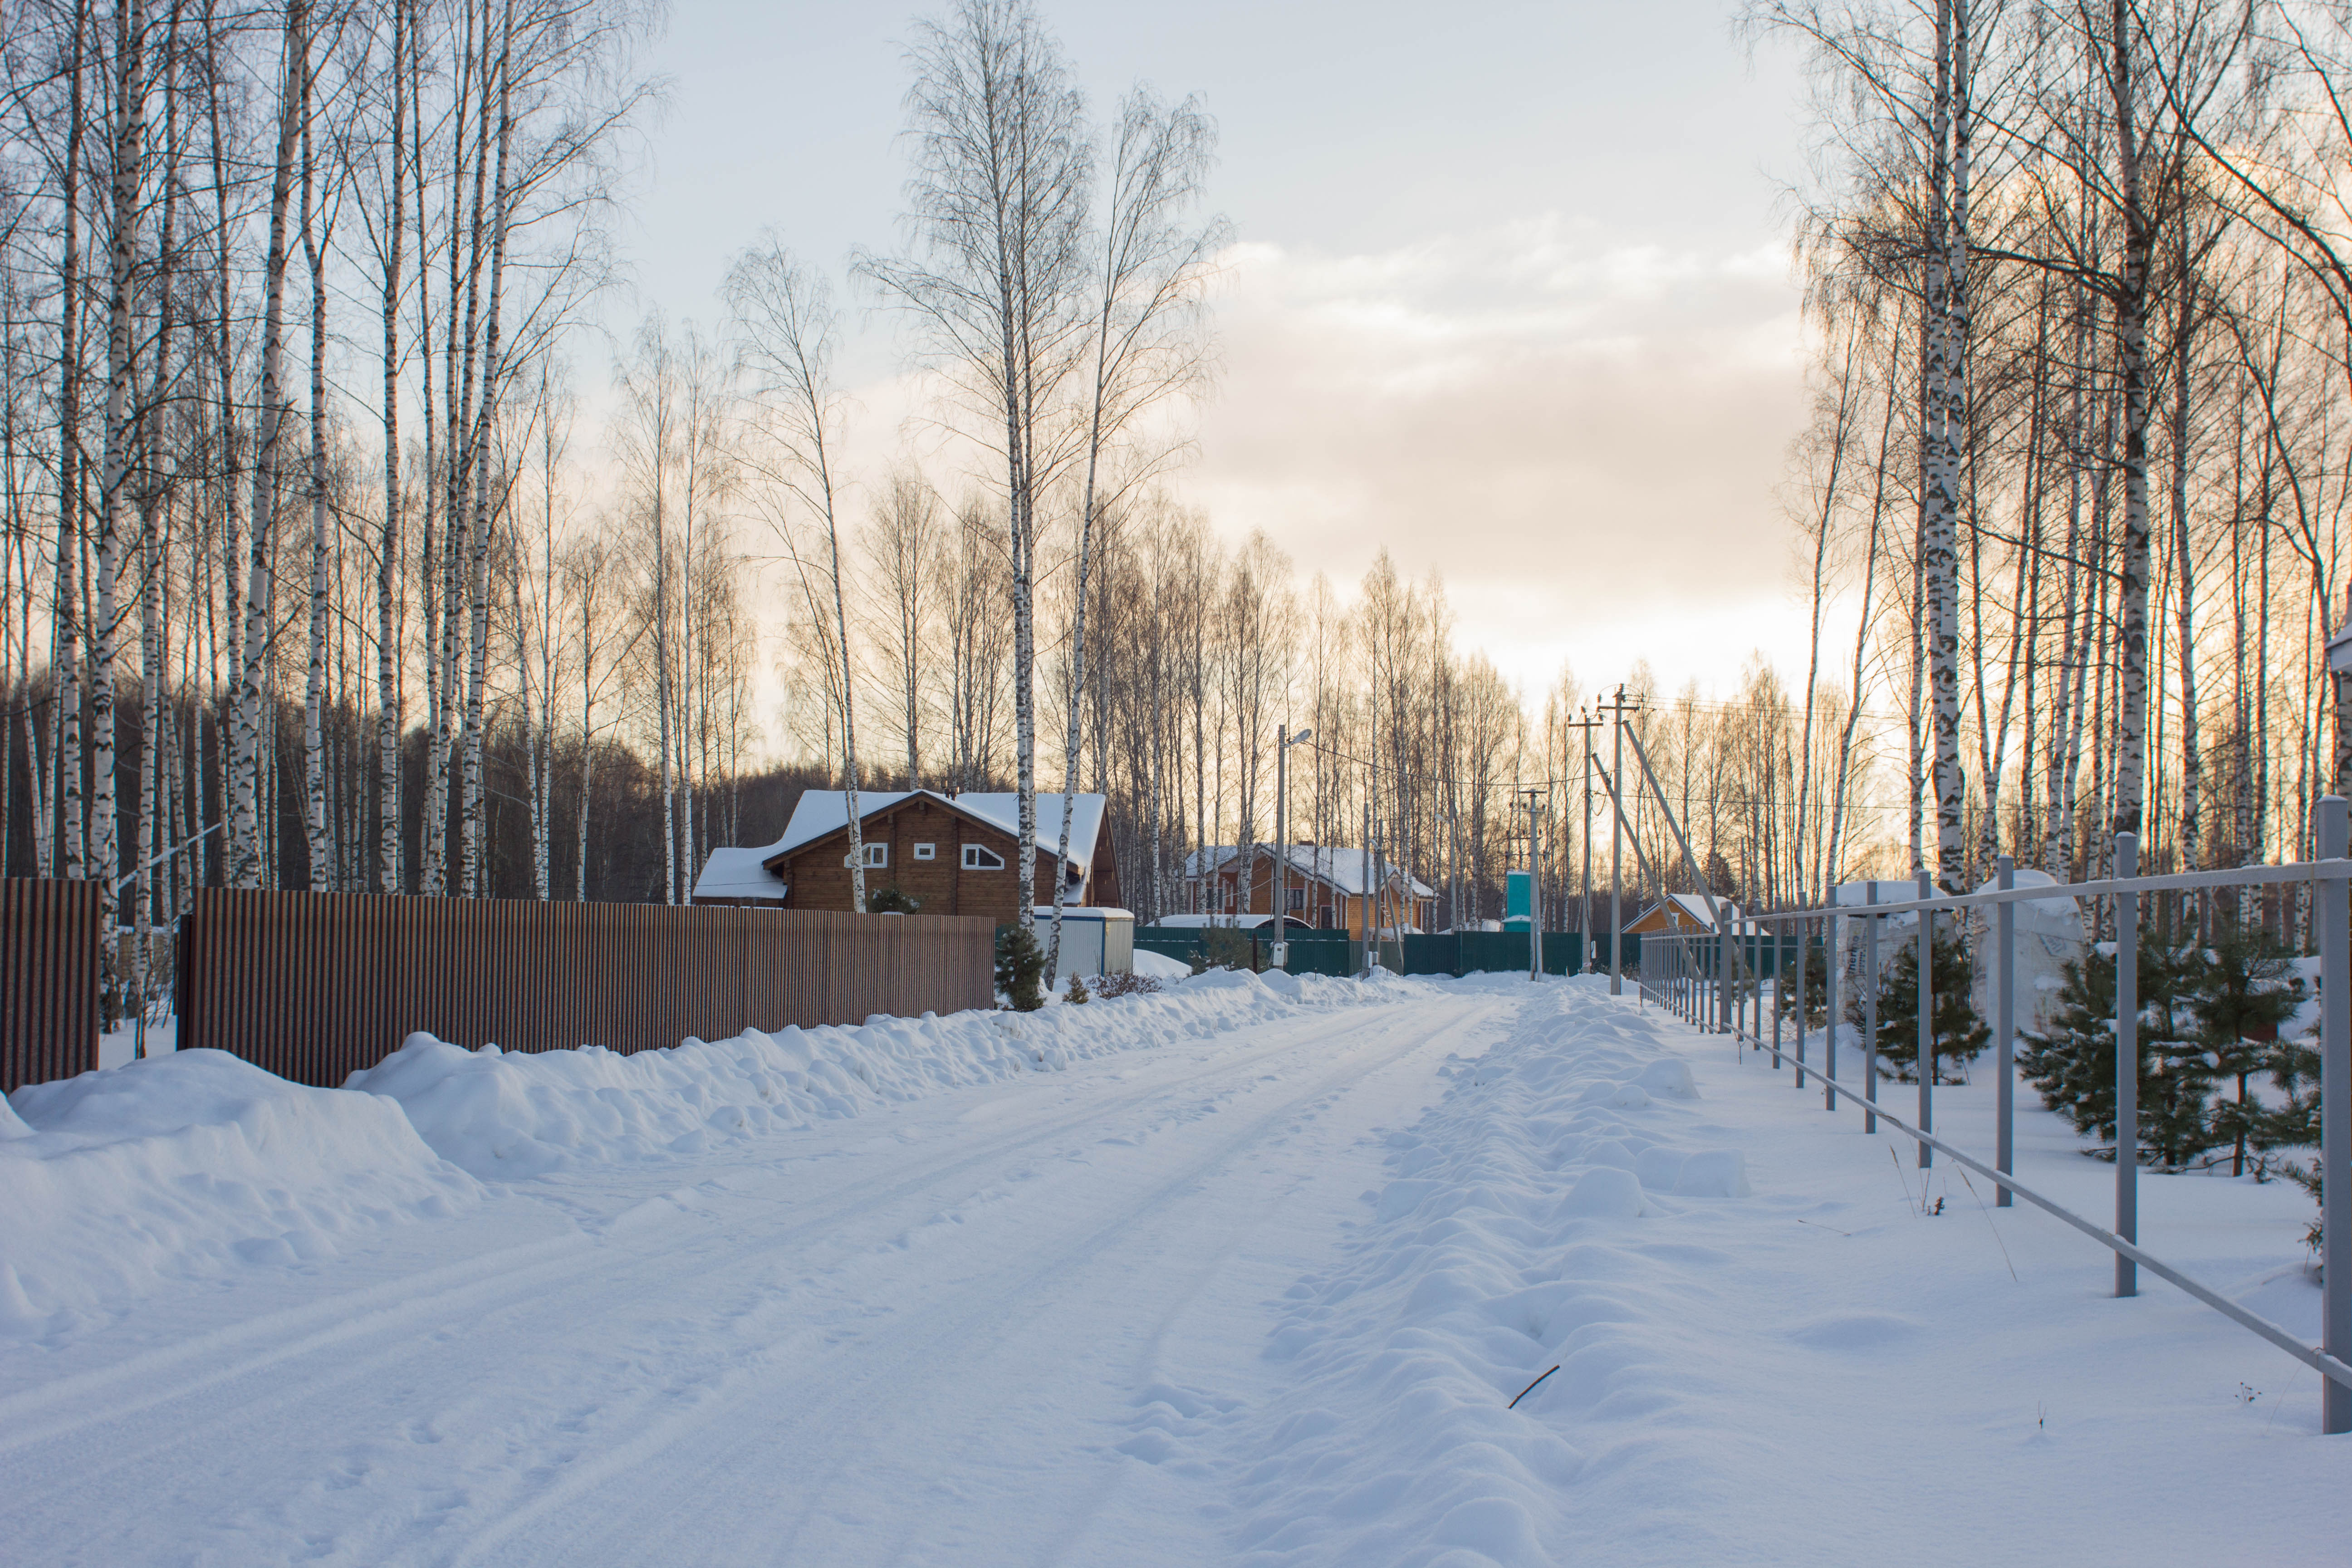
{"points": [[1511, 294]]}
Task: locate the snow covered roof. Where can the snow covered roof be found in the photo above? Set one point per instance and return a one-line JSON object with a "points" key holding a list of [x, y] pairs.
{"points": [[1348, 870], [1693, 909], [823, 811], [1215, 854], [1239, 923], [738, 874]]}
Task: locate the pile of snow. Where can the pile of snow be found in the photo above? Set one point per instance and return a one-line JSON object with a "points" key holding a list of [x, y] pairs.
{"points": [[511, 1115], [194, 1163], [1159, 966], [2049, 937], [188, 1164]]}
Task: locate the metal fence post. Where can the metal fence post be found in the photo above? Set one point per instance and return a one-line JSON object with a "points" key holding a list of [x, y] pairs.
{"points": [[1925, 1051], [2334, 932], [1804, 1017], [1723, 994], [2005, 1049], [1870, 1016], [1829, 999], [1780, 989], [2127, 1062]]}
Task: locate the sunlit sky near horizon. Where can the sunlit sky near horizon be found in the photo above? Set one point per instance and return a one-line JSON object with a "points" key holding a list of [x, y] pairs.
{"points": [[1511, 294]]}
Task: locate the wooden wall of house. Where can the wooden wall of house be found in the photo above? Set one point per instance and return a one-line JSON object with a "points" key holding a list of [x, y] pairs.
{"points": [[818, 872]]}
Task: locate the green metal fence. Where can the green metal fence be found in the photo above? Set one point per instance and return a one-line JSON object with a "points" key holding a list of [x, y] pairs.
{"points": [[1449, 952]]}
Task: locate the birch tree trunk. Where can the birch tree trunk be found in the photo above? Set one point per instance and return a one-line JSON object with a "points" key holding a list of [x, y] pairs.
{"points": [[320, 869], [65, 641], [2131, 336], [1940, 568], [387, 682], [477, 587], [245, 755], [2192, 760], [130, 153]]}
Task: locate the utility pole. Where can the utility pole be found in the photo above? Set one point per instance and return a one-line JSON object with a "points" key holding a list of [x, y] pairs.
{"points": [[1617, 710], [1535, 885], [1283, 741], [1588, 724]]}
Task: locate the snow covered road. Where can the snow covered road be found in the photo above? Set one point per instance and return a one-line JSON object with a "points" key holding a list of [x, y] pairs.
{"points": [[875, 1341], [1254, 1286]]}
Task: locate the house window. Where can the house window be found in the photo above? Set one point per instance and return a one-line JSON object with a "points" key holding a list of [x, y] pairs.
{"points": [[1297, 899], [926, 851], [877, 857], [978, 857]]}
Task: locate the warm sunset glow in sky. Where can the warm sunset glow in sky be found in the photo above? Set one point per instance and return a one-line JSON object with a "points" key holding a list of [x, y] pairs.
{"points": [[1511, 294]]}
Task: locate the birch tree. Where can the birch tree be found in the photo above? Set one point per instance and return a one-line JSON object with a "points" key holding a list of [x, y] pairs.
{"points": [[998, 290], [785, 334]]}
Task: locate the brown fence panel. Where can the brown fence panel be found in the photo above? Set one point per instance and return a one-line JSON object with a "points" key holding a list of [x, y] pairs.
{"points": [[50, 976], [315, 986]]}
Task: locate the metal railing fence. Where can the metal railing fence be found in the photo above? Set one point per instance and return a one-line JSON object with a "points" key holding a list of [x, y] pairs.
{"points": [[1715, 982]]}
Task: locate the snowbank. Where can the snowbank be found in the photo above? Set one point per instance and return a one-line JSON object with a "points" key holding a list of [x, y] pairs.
{"points": [[508, 1116], [193, 1163], [1159, 966], [188, 1164]]}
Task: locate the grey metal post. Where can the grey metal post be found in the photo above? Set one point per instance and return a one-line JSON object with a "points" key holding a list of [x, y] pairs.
{"points": [[1779, 998], [1617, 850], [1800, 1001], [1281, 954], [1535, 893], [1803, 1016], [2005, 1048], [2335, 931], [1585, 916], [1723, 938], [1829, 997], [1925, 1051], [2127, 1062], [1870, 1015]]}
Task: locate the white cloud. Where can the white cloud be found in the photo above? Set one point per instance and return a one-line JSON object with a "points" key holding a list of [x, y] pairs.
{"points": [[1582, 431]]}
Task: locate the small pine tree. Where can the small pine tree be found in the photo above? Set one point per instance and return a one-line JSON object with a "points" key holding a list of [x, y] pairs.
{"points": [[1076, 994], [892, 900], [1020, 968], [2294, 1067], [2248, 991], [2074, 1065], [1224, 947], [1954, 1032], [1817, 987]]}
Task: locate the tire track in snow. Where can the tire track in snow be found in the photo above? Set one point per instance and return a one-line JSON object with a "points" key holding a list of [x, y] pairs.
{"points": [[377, 1336], [875, 1385]]}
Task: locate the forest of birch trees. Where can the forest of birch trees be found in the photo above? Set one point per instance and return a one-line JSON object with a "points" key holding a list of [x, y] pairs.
{"points": [[2078, 455], [323, 569]]}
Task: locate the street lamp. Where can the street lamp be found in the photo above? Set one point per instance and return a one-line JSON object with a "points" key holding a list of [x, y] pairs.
{"points": [[1283, 741]]}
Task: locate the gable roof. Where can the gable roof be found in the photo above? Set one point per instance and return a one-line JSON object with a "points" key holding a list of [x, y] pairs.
{"points": [[1351, 871], [1693, 911], [826, 811]]}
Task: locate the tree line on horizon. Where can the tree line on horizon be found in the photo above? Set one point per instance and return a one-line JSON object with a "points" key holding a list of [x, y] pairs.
{"points": [[317, 575]]}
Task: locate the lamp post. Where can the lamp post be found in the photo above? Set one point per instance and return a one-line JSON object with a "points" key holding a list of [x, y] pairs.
{"points": [[1283, 741]]}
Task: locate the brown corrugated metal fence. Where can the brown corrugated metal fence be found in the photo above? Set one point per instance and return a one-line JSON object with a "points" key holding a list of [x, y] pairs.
{"points": [[315, 986], [48, 980]]}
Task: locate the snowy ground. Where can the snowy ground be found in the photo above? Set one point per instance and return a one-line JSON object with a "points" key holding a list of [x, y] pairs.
{"points": [[1228, 1275]]}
